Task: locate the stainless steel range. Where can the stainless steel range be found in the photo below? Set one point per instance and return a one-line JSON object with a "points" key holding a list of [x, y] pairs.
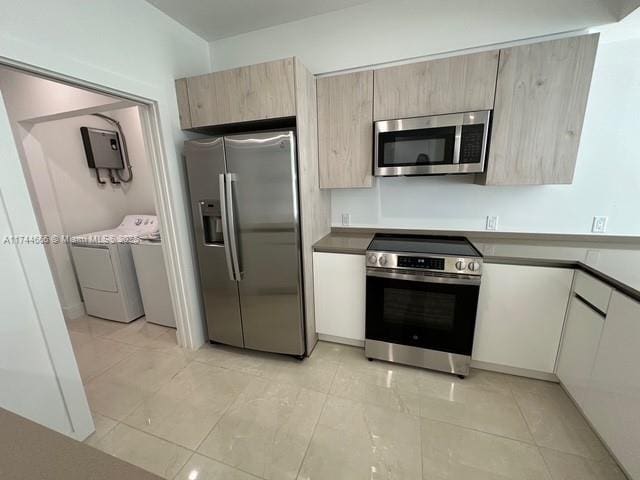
{"points": [[422, 297]]}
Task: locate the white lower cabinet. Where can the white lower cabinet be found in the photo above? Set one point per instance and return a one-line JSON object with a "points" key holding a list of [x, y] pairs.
{"points": [[582, 333], [520, 316], [612, 403], [339, 295]]}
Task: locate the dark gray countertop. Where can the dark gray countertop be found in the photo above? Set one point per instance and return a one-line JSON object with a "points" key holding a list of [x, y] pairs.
{"points": [[615, 260]]}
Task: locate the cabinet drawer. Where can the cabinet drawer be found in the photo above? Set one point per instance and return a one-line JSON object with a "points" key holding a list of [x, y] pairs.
{"points": [[592, 290]]}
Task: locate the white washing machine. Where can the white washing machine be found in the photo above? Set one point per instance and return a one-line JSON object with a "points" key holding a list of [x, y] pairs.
{"points": [[105, 268]]}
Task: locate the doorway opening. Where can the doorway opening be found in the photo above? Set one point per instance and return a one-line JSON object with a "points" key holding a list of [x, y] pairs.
{"points": [[87, 159]]}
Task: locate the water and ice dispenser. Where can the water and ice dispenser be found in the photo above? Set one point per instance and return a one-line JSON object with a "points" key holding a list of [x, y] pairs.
{"points": [[211, 213]]}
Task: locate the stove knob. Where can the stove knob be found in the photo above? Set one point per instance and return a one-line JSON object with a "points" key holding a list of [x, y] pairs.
{"points": [[460, 265], [383, 260], [474, 266], [373, 259]]}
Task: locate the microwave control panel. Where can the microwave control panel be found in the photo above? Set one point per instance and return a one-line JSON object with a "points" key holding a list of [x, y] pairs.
{"points": [[471, 142], [421, 262]]}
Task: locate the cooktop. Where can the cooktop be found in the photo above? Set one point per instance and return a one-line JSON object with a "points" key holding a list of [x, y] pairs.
{"points": [[424, 244]]}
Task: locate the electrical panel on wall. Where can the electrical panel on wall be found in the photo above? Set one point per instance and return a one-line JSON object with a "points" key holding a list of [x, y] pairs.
{"points": [[102, 148]]}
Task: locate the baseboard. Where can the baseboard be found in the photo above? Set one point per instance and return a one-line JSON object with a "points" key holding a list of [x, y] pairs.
{"points": [[71, 312], [520, 372], [344, 341]]}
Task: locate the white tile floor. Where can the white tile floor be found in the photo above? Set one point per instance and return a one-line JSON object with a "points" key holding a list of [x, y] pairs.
{"points": [[224, 413]]}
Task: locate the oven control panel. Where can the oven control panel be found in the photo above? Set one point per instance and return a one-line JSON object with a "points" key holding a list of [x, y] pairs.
{"points": [[451, 265], [430, 263]]}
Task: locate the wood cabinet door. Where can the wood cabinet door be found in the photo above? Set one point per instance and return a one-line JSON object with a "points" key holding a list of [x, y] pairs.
{"points": [[182, 95], [541, 97], [256, 92], [449, 85], [345, 130]]}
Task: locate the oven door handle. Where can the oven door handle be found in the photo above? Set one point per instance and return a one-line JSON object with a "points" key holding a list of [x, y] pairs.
{"points": [[422, 278]]}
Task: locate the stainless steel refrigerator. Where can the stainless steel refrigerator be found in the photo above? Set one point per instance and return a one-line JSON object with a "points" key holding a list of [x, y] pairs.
{"points": [[244, 199]]}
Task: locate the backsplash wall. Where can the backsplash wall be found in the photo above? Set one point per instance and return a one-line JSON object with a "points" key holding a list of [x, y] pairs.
{"points": [[606, 183]]}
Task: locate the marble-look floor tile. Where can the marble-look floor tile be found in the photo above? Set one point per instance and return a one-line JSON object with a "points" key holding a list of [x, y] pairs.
{"points": [[355, 441], [440, 384], [267, 429], [468, 406], [565, 466], [528, 386], [94, 326], [336, 352], [139, 333], [103, 426], [375, 386], [118, 391], [246, 361], [308, 373], [150, 453], [186, 408], [200, 467], [96, 355], [450, 452], [556, 423]]}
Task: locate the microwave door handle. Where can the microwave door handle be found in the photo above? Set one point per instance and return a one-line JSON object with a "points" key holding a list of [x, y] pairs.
{"points": [[233, 238], [225, 226], [456, 144]]}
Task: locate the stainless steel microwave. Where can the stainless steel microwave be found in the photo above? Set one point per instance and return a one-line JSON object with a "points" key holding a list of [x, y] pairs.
{"points": [[435, 145]]}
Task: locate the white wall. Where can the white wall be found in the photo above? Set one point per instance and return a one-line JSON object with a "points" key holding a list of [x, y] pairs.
{"points": [[125, 45], [383, 31], [30, 97]]}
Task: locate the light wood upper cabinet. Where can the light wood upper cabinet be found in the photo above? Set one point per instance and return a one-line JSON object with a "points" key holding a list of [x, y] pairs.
{"points": [[457, 84], [541, 97], [345, 130], [182, 95], [256, 92]]}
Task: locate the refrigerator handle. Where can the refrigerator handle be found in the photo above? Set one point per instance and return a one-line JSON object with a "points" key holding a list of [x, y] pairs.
{"points": [[233, 241], [225, 226]]}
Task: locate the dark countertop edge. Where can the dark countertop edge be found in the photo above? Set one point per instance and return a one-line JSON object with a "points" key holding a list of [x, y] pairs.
{"points": [[342, 250], [525, 261], [497, 235]]}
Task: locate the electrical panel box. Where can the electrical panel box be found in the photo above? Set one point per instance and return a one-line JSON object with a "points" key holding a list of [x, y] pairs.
{"points": [[102, 148]]}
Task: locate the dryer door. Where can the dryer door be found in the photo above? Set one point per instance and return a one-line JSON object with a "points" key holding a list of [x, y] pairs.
{"points": [[94, 267]]}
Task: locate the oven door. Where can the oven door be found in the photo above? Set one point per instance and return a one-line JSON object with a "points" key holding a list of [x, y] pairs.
{"points": [[422, 310]]}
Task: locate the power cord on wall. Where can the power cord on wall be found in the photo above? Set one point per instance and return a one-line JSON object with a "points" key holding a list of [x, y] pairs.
{"points": [[124, 151]]}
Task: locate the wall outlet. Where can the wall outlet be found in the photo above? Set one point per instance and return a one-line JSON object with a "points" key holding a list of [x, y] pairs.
{"points": [[346, 219], [599, 224], [492, 223]]}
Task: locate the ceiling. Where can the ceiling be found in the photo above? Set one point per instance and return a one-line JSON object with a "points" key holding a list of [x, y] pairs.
{"points": [[216, 19]]}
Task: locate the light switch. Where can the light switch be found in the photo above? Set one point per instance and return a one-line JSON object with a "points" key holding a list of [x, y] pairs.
{"points": [[346, 219], [492, 223]]}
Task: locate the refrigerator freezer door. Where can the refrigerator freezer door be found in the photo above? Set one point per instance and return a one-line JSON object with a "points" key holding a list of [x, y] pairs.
{"points": [[205, 162], [265, 198]]}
